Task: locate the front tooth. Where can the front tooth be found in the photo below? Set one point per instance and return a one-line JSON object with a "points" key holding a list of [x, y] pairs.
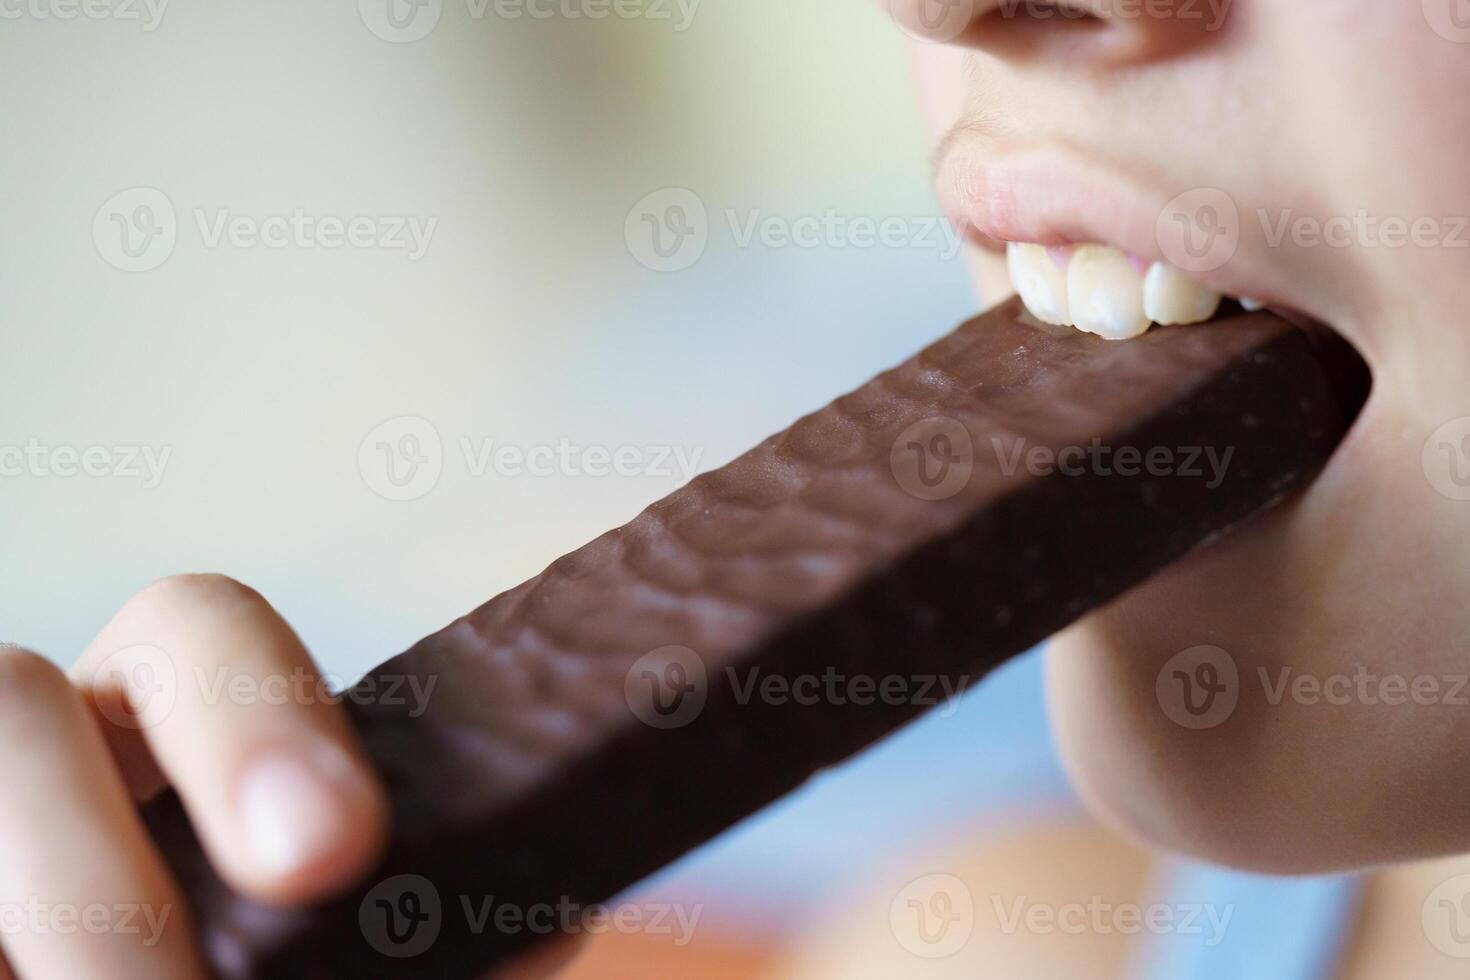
{"points": [[1169, 296], [1040, 281], [1105, 293], [1251, 305]]}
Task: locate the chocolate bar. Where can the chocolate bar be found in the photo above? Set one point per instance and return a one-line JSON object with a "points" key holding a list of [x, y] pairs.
{"points": [[778, 615]]}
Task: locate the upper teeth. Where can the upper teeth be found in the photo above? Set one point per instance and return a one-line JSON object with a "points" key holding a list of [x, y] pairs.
{"points": [[1041, 282], [1103, 291], [1169, 296]]}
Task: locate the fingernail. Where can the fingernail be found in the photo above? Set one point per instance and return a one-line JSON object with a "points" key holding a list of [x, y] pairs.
{"points": [[293, 810]]}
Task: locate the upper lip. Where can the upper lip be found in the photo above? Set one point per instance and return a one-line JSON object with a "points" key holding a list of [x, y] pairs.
{"points": [[1051, 194]]}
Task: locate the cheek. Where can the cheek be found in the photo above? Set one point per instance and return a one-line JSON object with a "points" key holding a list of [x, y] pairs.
{"points": [[1375, 117], [1343, 726]]}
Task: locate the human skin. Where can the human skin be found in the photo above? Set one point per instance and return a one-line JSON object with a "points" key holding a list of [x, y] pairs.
{"points": [[1310, 109], [1323, 108], [196, 683]]}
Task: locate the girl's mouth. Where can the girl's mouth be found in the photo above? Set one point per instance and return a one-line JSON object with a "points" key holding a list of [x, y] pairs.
{"points": [[1090, 248], [1093, 249]]}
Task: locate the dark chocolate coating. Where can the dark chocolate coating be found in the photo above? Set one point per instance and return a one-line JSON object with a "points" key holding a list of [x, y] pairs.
{"points": [[531, 776]]}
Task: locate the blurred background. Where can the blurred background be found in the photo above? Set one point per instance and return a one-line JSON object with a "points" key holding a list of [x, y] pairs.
{"points": [[380, 306]]}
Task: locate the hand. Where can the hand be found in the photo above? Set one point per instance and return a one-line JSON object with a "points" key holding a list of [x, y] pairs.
{"points": [[198, 684]]}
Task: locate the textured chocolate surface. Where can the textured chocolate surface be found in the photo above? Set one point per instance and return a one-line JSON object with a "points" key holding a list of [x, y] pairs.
{"points": [[910, 534]]}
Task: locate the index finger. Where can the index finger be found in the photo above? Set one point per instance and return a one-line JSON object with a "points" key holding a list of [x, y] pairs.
{"points": [[230, 706]]}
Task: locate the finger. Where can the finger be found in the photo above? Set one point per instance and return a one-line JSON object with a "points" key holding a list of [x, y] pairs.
{"points": [[82, 891], [236, 716], [130, 753]]}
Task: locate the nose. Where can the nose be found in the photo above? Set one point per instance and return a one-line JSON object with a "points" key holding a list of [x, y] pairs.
{"points": [[1077, 33]]}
